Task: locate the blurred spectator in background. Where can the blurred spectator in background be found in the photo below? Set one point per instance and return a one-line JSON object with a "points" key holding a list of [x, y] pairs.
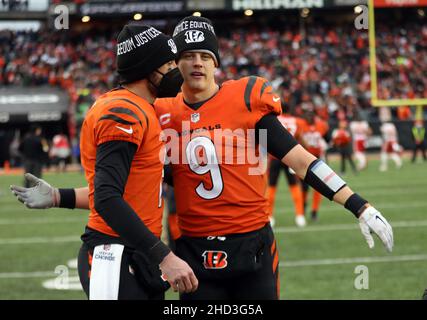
{"points": [[360, 131], [329, 63], [84, 101], [33, 149], [75, 152], [341, 139], [418, 133], [60, 151], [390, 146], [404, 113], [15, 156]]}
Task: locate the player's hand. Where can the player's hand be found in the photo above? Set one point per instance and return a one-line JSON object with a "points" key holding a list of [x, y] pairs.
{"points": [[41, 196], [371, 221], [179, 274]]}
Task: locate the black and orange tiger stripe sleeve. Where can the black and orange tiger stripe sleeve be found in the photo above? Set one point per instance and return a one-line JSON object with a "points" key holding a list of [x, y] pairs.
{"points": [[121, 120]]}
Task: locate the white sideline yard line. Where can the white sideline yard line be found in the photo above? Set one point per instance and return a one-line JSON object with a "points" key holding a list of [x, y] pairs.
{"points": [[326, 207], [8, 207], [41, 220], [38, 240], [333, 227], [282, 264], [328, 262], [397, 191], [21, 275], [34, 274], [379, 206], [339, 227]]}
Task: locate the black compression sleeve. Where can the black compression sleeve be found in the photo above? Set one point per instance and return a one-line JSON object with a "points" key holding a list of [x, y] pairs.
{"points": [[279, 140], [113, 162]]}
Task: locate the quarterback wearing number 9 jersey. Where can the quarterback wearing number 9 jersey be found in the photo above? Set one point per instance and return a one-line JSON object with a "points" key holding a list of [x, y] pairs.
{"points": [[220, 192], [212, 133], [219, 196]]}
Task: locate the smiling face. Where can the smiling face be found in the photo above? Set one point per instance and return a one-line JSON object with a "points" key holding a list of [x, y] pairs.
{"points": [[198, 70]]}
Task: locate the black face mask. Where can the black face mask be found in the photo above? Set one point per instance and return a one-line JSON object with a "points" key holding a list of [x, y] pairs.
{"points": [[170, 84]]}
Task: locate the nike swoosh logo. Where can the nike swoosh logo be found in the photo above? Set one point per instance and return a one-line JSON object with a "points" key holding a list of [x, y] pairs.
{"points": [[376, 217], [275, 99], [129, 131]]}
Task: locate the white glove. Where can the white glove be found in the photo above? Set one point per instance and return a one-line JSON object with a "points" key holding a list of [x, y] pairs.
{"points": [[41, 196], [371, 221]]}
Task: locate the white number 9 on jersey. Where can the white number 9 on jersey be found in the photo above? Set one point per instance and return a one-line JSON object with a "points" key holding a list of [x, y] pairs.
{"points": [[192, 150]]}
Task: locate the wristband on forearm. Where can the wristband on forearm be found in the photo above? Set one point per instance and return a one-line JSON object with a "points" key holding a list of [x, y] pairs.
{"points": [[67, 198], [323, 179], [356, 204]]}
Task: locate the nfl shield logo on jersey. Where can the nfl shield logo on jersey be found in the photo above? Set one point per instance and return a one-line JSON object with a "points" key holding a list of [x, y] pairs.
{"points": [[195, 117]]}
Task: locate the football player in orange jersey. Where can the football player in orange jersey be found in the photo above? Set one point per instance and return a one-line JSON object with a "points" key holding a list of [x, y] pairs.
{"points": [[311, 135], [122, 256], [220, 195], [291, 123]]}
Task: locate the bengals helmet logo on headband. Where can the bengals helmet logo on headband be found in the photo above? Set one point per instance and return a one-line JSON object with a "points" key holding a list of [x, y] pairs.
{"points": [[192, 36]]}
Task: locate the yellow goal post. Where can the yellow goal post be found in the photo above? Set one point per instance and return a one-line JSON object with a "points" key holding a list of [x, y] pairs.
{"points": [[419, 103]]}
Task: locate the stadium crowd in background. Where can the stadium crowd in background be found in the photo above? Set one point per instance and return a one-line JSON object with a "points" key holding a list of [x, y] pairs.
{"points": [[326, 70]]}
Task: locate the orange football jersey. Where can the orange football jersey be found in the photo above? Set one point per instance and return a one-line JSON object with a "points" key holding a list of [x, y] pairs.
{"points": [[219, 186], [122, 115]]}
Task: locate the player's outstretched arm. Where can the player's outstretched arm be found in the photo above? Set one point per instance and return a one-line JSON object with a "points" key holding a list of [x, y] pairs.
{"points": [[321, 177], [43, 196]]}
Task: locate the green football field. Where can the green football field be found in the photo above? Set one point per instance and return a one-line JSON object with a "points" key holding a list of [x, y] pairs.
{"points": [[322, 261]]}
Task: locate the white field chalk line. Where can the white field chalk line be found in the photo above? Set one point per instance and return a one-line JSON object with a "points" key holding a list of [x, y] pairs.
{"points": [[326, 207], [38, 240], [41, 220], [283, 264], [339, 227], [34, 274], [379, 206], [334, 227], [328, 262]]}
